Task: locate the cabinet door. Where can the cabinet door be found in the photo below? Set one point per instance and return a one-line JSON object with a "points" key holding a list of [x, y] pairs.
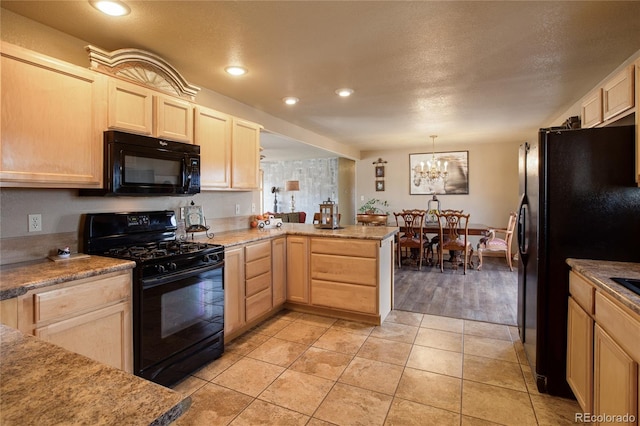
{"points": [[213, 133], [130, 107], [9, 312], [618, 94], [297, 269], [279, 270], [234, 303], [245, 155], [592, 109], [52, 122], [103, 335], [616, 379], [580, 355], [174, 119]]}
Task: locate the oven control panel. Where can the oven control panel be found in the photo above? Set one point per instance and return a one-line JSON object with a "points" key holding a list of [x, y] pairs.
{"points": [[138, 220]]}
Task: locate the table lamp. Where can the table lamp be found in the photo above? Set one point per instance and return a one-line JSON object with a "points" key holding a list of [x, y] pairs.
{"points": [[292, 186]]}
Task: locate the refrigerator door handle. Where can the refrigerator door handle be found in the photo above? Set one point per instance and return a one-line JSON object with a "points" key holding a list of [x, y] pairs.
{"points": [[523, 220]]}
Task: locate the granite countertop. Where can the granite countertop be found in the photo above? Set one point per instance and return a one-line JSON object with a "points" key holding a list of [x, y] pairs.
{"points": [[599, 272], [18, 278], [243, 236], [45, 384]]}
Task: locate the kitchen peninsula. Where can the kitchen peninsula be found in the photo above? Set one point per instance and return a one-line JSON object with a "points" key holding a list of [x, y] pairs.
{"points": [[344, 273]]}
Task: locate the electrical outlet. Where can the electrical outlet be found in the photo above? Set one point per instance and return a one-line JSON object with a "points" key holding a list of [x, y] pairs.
{"points": [[237, 208], [253, 207], [362, 198], [35, 222]]}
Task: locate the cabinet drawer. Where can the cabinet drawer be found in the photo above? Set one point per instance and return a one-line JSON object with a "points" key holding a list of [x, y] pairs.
{"points": [[344, 269], [257, 267], [344, 247], [350, 297], [582, 292], [257, 251], [258, 304], [256, 284], [620, 325], [68, 300]]}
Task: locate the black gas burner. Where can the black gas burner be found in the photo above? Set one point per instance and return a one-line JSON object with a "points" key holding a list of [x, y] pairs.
{"points": [[160, 250]]}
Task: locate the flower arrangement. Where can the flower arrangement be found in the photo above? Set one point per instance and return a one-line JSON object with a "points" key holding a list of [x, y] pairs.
{"points": [[374, 206]]}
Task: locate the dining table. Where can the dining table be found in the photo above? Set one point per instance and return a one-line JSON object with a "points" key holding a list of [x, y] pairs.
{"points": [[473, 228]]}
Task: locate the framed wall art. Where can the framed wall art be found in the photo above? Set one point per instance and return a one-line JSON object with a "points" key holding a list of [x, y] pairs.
{"points": [[454, 181], [379, 172]]}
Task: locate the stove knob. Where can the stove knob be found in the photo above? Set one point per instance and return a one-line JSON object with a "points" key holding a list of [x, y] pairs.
{"points": [[173, 266], [161, 269], [210, 258]]}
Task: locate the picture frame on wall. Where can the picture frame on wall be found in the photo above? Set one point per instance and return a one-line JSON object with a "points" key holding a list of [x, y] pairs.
{"points": [[379, 171], [456, 182], [379, 185]]}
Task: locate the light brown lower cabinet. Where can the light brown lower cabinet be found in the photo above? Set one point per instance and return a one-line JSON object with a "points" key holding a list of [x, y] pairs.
{"points": [[297, 269], [90, 316], [615, 382], [234, 303], [603, 351], [279, 270], [9, 312], [257, 258], [580, 355]]}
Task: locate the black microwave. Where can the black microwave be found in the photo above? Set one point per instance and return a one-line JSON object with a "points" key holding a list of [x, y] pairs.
{"points": [[148, 166]]}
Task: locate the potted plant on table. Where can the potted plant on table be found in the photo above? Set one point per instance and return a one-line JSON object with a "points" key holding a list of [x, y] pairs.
{"points": [[373, 212]]}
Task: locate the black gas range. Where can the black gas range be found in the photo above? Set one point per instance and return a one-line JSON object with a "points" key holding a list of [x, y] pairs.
{"points": [[178, 290]]}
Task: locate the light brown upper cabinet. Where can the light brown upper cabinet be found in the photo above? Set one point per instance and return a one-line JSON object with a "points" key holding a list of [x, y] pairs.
{"points": [[610, 100], [213, 134], [229, 150], [52, 122], [592, 109], [618, 93], [245, 154], [137, 109]]}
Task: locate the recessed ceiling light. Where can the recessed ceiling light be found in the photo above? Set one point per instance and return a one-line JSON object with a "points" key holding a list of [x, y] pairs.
{"points": [[344, 92], [290, 100], [111, 7], [236, 70]]}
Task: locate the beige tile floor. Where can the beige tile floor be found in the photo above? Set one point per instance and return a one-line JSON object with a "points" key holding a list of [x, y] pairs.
{"points": [[414, 369]]}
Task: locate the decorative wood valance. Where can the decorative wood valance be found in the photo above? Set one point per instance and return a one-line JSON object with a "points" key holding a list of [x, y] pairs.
{"points": [[142, 67]]}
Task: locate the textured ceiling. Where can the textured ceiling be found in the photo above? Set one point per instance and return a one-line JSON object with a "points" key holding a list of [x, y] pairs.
{"points": [[466, 71]]}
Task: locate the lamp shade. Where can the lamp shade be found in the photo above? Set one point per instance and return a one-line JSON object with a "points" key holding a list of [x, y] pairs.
{"points": [[292, 185]]}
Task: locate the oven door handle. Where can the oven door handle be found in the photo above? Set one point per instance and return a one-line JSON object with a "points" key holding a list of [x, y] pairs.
{"points": [[164, 279]]}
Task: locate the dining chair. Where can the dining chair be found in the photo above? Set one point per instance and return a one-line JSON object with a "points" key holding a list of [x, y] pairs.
{"points": [[411, 234], [454, 237], [492, 244]]}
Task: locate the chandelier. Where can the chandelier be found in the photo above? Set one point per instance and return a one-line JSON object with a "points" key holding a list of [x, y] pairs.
{"points": [[436, 171]]}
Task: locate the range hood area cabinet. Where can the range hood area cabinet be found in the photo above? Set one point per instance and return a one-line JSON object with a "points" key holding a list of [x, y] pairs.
{"points": [[136, 109], [53, 116], [229, 151]]}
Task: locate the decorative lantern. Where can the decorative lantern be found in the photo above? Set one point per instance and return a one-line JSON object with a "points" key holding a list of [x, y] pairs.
{"points": [[329, 215], [432, 207]]}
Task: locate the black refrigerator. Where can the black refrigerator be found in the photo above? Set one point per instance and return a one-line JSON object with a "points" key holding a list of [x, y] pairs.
{"points": [[578, 199]]}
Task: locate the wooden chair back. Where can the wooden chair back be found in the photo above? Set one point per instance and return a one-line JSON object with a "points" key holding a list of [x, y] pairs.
{"points": [[411, 236], [454, 234]]}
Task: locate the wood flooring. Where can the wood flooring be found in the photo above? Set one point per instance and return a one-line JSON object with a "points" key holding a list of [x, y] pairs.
{"points": [[489, 295]]}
